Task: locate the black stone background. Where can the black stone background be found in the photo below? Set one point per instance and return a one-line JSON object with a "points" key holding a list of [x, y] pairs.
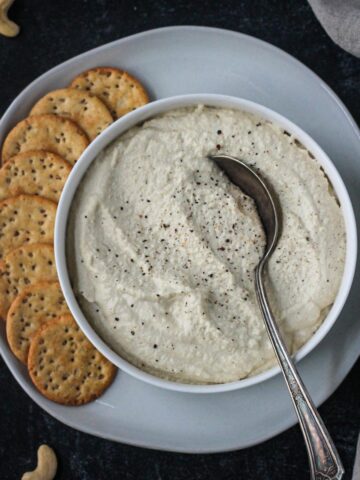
{"points": [[53, 31]]}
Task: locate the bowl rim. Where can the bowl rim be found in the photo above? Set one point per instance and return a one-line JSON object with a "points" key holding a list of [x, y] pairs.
{"points": [[140, 115]]}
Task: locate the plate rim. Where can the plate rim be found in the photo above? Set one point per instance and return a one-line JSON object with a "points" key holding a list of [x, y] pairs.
{"points": [[6, 354], [336, 99]]}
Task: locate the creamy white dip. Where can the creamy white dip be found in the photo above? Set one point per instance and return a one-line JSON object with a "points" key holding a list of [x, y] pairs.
{"points": [[162, 247]]}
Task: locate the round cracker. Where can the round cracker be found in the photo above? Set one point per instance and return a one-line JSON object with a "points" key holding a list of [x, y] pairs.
{"points": [[120, 91], [35, 306], [23, 267], [65, 367], [35, 172], [46, 132], [25, 219], [88, 111]]}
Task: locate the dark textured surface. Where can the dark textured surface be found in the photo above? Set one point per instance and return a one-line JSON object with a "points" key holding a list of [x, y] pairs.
{"points": [[53, 31]]}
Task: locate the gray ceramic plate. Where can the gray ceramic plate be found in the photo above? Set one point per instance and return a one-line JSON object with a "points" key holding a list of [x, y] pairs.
{"points": [[180, 60]]}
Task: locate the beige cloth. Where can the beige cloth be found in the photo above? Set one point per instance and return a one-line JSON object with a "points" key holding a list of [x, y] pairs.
{"points": [[341, 20]]}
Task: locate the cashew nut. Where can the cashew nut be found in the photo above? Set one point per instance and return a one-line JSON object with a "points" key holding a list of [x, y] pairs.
{"points": [[46, 467], [7, 27]]}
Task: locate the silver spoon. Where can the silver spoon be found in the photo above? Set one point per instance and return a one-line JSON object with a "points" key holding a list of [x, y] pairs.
{"points": [[325, 463]]}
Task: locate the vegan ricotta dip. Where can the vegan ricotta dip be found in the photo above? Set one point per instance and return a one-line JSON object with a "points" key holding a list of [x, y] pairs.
{"points": [[162, 247]]}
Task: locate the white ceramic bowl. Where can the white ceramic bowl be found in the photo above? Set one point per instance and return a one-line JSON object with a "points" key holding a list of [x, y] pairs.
{"points": [[140, 115]]}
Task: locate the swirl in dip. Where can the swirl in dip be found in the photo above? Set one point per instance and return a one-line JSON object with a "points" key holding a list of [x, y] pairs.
{"points": [[162, 247]]}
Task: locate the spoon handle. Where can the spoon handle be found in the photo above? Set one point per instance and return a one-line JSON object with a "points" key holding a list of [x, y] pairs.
{"points": [[325, 463]]}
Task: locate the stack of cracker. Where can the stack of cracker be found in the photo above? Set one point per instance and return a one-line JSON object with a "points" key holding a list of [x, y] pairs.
{"points": [[37, 156]]}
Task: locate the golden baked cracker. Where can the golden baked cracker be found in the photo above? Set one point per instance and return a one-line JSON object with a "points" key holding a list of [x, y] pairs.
{"points": [[88, 111], [34, 306], [64, 366], [35, 172], [25, 219], [120, 92], [46, 132], [23, 267]]}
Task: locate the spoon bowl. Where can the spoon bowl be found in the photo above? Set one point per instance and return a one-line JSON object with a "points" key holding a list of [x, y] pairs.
{"points": [[254, 186]]}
